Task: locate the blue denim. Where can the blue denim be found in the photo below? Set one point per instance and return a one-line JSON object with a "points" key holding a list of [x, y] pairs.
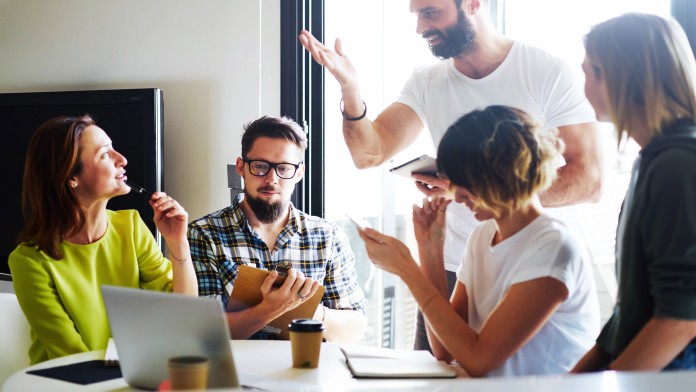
{"points": [[685, 360]]}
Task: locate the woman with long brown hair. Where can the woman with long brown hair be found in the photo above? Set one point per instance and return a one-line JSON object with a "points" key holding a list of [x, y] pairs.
{"points": [[640, 75], [72, 244]]}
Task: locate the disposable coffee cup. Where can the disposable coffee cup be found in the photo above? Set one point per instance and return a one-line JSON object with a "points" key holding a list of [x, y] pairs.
{"points": [[188, 372], [305, 341]]}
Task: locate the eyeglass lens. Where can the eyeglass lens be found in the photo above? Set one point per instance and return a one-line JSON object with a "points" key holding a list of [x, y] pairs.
{"points": [[283, 170]]}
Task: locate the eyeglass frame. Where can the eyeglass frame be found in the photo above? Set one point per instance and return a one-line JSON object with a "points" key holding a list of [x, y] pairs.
{"points": [[273, 166]]}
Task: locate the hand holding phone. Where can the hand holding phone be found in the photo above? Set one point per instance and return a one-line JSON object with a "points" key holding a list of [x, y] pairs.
{"points": [[361, 223], [424, 164]]}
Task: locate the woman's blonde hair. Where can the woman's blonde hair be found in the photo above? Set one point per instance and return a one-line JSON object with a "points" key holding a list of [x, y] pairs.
{"points": [[501, 155], [648, 69]]}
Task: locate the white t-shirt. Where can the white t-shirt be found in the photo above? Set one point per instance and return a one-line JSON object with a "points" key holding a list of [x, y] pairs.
{"points": [[548, 89], [544, 248]]}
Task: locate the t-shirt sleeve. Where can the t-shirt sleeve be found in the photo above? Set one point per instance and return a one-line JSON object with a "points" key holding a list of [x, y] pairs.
{"points": [[412, 94], [555, 257], [43, 308], [562, 96]]}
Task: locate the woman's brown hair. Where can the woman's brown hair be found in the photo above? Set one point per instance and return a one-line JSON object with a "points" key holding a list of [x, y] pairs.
{"points": [[50, 209]]}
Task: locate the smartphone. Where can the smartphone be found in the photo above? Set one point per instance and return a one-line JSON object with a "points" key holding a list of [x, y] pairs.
{"points": [[361, 223], [424, 164]]}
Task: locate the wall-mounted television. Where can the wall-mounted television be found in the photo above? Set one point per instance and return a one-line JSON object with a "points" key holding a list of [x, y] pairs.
{"points": [[133, 118]]}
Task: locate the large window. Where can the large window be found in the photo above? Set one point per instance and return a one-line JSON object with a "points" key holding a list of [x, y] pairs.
{"points": [[379, 37]]}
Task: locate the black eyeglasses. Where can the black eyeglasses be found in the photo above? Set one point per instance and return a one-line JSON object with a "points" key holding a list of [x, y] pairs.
{"points": [[261, 168]]}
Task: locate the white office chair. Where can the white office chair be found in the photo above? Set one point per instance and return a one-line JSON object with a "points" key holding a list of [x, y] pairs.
{"points": [[14, 337]]}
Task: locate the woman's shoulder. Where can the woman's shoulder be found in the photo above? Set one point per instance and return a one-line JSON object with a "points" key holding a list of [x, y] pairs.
{"points": [[26, 256], [552, 234]]}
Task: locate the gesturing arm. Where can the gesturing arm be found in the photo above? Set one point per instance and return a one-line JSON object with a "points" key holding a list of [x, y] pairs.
{"points": [[527, 305], [370, 143]]}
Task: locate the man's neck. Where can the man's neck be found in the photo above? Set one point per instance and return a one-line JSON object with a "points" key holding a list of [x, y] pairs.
{"points": [[268, 231], [490, 52]]}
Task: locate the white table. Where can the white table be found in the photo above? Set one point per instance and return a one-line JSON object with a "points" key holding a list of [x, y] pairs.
{"points": [[267, 364]]}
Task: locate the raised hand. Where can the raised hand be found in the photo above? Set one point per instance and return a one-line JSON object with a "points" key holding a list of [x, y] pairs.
{"points": [[335, 61], [429, 222]]}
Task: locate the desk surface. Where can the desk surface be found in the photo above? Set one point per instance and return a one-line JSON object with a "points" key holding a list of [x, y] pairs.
{"points": [[267, 365]]}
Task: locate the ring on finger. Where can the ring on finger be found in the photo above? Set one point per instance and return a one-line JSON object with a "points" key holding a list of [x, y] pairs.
{"points": [[299, 294]]}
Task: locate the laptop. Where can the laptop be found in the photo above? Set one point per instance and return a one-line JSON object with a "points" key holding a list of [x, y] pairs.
{"points": [[150, 327]]}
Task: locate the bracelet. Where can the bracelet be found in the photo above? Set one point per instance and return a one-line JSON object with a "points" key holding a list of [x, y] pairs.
{"points": [[349, 118], [180, 261]]}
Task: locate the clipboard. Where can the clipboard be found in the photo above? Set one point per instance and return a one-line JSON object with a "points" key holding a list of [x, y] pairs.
{"points": [[247, 293]]}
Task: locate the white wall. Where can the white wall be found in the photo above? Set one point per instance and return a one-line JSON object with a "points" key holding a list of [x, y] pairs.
{"points": [[217, 61]]}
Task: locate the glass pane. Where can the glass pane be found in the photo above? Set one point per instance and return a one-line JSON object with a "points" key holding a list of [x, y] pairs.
{"points": [[385, 50]]}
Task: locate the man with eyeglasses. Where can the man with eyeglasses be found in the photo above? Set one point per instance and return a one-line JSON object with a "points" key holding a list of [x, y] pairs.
{"points": [[264, 230]]}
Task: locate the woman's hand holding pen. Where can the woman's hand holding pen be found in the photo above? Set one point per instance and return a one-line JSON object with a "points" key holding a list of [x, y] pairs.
{"points": [[170, 217]]}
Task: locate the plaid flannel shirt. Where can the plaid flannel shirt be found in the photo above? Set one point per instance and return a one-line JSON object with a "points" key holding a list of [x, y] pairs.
{"points": [[222, 241]]}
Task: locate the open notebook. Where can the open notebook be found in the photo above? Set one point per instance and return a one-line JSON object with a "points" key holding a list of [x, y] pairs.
{"points": [[372, 362]]}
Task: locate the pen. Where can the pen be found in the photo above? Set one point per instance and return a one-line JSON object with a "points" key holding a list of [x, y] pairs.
{"points": [[138, 188]]}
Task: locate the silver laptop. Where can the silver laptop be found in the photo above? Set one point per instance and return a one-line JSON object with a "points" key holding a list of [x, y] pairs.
{"points": [[150, 327]]}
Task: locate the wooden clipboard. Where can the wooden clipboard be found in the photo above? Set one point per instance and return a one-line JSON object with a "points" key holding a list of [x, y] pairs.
{"points": [[247, 293]]}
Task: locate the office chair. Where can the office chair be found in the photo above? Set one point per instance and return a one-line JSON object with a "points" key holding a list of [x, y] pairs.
{"points": [[14, 337]]}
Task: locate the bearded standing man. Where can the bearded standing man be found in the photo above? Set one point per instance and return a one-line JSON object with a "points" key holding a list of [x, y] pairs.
{"points": [[479, 67], [263, 229]]}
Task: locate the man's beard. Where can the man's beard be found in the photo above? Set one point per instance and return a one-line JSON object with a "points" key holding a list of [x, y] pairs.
{"points": [[265, 212], [454, 40]]}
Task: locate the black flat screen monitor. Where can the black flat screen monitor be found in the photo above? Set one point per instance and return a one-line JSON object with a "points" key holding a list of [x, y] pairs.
{"points": [[132, 118]]}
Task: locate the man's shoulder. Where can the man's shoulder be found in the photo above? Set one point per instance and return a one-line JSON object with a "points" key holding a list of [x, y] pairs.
{"points": [[429, 71], [214, 219], [528, 50], [314, 225]]}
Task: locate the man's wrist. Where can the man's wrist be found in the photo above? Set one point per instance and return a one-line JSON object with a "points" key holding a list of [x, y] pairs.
{"points": [[351, 117]]}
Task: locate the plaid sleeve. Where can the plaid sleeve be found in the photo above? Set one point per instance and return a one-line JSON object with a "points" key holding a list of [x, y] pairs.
{"points": [[205, 263], [341, 282]]}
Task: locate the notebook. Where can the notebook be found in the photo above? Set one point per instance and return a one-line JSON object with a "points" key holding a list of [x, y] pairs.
{"points": [[372, 362], [150, 327], [247, 293]]}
